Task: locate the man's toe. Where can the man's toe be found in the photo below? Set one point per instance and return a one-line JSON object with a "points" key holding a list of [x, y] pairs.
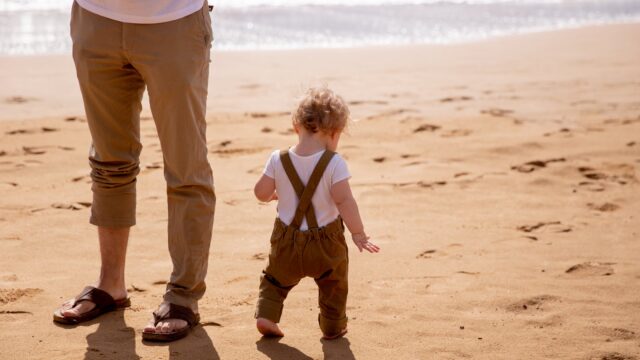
{"points": [[73, 312]]}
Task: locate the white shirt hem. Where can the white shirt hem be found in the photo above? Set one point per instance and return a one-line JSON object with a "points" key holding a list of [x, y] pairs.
{"points": [[141, 19]]}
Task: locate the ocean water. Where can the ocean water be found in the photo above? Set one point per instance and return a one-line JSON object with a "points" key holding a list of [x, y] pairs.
{"points": [[42, 26]]}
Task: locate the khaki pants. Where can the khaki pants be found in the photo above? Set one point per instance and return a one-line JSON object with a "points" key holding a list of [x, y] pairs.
{"points": [[320, 253], [114, 62]]}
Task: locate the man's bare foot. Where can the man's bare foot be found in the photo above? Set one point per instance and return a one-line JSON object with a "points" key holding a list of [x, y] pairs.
{"points": [[164, 326], [68, 310], [336, 336], [268, 327]]}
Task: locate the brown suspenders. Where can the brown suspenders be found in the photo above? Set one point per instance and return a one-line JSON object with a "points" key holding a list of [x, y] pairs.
{"points": [[305, 193]]}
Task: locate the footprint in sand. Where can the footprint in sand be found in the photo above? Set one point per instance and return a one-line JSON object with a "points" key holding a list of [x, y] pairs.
{"points": [[266, 130], [532, 303], [591, 186], [422, 184], [262, 115], [456, 133], [390, 113], [153, 166], [618, 333], [563, 131], [407, 156], [425, 254], [610, 356], [496, 112], [546, 322], [43, 129], [12, 295], [455, 98], [134, 288], [426, 128], [621, 174], [237, 151], [33, 150], [380, 159], [159, 282], [259, 256], [606, 207], [591, 173], [591, 269], [18, 99], [531, 166], [367, 102], [72, 206], [236, 279], [15, 312], [552, 226], [75, 118], [80, 178]]}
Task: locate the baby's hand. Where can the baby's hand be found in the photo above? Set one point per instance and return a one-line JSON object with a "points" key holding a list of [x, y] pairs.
{"points": [[362, 242], [274, 196]]}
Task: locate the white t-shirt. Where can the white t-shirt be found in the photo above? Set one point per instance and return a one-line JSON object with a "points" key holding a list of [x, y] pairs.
{"points": [[323, 205], [142, 11]]}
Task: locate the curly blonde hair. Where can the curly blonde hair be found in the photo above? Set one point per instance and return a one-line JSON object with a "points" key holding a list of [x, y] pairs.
{"points": [[322, 110]]}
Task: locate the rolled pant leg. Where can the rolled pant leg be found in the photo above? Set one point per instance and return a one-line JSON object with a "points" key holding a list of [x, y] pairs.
{"points": [[112, 91], [282, 273], [173, 58], [333, 286], [271, 298]]}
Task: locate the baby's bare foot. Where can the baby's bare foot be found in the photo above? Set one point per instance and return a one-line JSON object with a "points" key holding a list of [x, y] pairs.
{"points": [[268, 327]]}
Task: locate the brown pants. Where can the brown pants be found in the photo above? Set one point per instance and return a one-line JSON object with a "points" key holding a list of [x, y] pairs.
{"points": [[320, 253], [114, 62]]}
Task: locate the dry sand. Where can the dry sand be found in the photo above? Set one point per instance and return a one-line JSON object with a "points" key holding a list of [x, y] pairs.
{"points": [[500, 179]]}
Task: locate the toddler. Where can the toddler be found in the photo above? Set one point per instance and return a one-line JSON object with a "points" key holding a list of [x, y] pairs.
{"points": [[311, 184]]}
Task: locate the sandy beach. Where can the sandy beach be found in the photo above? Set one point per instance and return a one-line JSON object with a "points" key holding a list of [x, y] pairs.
{"points": [[500, 178]]}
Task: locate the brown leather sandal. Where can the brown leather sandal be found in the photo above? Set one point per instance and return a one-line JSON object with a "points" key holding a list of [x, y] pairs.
{"points": [[173, 312], [104, 304]]}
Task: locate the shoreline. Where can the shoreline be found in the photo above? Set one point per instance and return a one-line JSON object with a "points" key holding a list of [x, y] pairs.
{"points": [[489, 39]]}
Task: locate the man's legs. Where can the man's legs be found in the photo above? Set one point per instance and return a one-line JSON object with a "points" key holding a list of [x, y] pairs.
{"points": [[173, 59], [112, 92]]}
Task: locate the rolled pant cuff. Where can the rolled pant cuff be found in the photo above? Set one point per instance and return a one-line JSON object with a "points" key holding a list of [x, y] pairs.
{"points": [[173, 298], [331, 327], [269, 309], [113, 210]]}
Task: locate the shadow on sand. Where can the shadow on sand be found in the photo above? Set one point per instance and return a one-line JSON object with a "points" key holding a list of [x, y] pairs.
{"points": [[274, 349], [113, 339], [196, 346], [332, 349], [337, 349]]}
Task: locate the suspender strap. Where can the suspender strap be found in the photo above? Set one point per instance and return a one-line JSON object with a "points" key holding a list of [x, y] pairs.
{"points": [[298, 186], [305, 193]]}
